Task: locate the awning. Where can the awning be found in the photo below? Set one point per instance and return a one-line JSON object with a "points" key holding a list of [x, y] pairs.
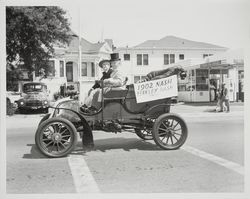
{"points": [[216, 65]]}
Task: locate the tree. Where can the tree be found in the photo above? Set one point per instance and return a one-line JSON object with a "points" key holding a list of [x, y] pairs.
{"points": [[32, 33]]}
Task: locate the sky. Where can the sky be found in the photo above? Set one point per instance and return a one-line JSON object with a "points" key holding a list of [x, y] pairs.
{"points": [[131, 22]]}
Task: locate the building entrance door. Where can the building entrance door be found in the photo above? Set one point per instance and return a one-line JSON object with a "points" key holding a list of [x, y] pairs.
{"points": [[69, 71]]}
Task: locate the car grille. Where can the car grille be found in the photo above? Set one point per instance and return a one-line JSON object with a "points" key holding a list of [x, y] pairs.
{"points": [[34, 103]]}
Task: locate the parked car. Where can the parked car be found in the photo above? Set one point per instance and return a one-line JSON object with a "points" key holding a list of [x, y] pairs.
{"points": [[34, 97], [12, 98]]}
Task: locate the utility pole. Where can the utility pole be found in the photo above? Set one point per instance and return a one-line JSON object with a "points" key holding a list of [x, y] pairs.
{"points": [[79, 45], [79, 56]]}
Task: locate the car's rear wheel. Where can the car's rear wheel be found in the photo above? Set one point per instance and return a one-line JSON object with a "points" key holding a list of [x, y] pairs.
{"points": [[145, 134], [170, 131], [56, 137]]}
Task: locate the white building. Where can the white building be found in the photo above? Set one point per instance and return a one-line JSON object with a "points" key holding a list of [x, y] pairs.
{"points": [[204, 78], [206, 64], [152, 55], [66, 69]]}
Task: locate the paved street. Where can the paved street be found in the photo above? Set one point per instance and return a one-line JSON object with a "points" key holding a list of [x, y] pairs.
{"points": [[211, 160]]}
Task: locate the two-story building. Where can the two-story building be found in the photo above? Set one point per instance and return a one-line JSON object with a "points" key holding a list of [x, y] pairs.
{"points": [[76, 65], [152, 55], [208, 66]]}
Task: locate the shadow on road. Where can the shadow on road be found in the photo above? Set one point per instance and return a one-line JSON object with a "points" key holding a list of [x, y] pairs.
{"points": [[126, 144], [34, 153], [102, 145]]}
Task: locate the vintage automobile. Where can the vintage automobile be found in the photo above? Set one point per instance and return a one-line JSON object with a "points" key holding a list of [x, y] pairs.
{"points": [[56, 135], [34, 97], [12, 98]]}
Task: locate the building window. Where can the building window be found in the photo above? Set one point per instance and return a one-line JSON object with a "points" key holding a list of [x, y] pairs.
{"points": [[92, 69], [206, 55], [169, 59], [166, 59], [138, 78], [181, 56], [61, 68], [139, 59], [145, 59], [142, 59], [172, 58], [126, 57], [202, 79], [51, 68], [84, 69], [88, 69]]}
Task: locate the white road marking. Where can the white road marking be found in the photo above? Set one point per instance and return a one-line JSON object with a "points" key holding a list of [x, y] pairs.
{"points": [[84, 181], [223, 162]]}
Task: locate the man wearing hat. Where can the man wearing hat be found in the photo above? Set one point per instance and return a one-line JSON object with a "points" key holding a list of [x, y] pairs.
{"points": [[115, 80], [105, 65], [107, 70]]}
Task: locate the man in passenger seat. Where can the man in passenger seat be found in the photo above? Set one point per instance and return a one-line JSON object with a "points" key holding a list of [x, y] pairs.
{"points": [[115, 80]]}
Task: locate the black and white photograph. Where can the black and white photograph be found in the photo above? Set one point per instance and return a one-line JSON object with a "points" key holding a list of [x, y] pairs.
{"points": [[124, 99]]}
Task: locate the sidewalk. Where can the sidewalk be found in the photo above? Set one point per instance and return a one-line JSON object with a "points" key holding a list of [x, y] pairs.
{"points": [[211, 103], [207, 111]]}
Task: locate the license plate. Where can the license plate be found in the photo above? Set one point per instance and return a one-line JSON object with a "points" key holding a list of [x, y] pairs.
{"points": [[33, 107]]}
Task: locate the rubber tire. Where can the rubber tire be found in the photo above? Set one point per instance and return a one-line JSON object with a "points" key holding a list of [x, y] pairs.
{"points": [[141, 135], [51, 120], [158, 123]]}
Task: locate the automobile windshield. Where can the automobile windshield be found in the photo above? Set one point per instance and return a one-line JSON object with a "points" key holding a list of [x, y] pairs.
{"points": [[33, 88]]}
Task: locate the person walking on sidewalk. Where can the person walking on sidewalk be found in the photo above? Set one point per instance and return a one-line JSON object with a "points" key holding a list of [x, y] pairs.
{"points": [[224, 98]]}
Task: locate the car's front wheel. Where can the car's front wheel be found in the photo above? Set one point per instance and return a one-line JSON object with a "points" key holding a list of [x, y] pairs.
{"points": [[56, 137], [145, 134]]}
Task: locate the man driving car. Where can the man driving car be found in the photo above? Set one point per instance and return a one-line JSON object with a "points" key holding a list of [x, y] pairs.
{"points": [[115, 80]]}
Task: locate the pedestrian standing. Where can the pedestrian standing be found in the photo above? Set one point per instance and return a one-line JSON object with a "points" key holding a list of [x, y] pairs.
{"points": [[224, 98]]}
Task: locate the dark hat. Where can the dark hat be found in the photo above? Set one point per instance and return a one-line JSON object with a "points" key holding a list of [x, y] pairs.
{"points": [[114, 57], [103, 61]]}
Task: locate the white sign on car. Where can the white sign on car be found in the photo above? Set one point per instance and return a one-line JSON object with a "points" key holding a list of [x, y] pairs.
{"points": [[156, 89]]}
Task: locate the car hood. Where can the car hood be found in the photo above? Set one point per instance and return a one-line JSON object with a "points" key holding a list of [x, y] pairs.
{"points": [[13, 96], [35, 96]]}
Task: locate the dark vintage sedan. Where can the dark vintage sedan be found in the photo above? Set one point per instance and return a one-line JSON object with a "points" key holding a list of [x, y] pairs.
{"points": [[34, 97]]}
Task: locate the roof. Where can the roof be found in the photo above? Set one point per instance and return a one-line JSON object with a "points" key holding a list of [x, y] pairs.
{"points": [[110, 42], [231, 56], [35, 83], [86, 46], [176, 42]]}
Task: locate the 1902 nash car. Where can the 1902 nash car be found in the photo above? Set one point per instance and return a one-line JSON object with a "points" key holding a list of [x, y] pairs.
{"points": [[56, 135]]}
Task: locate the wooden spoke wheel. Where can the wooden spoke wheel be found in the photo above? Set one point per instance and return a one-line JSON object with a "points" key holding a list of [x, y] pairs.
{"points": [[145, 134], [56, 137], [170, 131]]}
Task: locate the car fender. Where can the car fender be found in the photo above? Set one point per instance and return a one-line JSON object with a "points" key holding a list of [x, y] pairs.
{"points": [[157, 110]]}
